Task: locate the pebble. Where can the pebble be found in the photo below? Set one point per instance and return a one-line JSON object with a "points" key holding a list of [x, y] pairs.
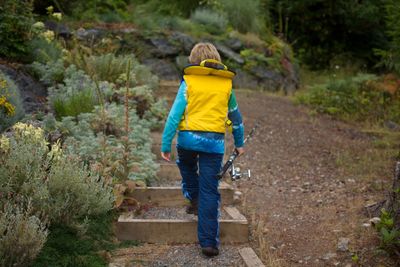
{"points": [[328, 256], [343, 244], [375, 220]]}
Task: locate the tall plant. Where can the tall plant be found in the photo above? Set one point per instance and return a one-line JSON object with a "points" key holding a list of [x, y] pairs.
{"points": [[391, 58]]}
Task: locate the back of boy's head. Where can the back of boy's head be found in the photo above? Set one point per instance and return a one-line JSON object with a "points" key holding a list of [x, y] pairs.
{"points": [[202, 51]]}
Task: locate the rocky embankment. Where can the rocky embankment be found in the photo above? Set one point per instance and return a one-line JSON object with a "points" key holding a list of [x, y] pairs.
{"points": [[165, 52]]}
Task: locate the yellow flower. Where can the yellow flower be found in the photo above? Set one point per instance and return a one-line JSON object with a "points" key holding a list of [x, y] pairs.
{"points": [[48, 35], [50, 10], [38, 25], [57, 16], [4, 143]]}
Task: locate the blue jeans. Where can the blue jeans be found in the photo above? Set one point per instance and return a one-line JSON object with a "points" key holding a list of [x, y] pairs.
{"points": [[199, 182]]}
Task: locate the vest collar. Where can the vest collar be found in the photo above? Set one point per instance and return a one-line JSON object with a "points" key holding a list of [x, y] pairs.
{"points": [[216, 69]]}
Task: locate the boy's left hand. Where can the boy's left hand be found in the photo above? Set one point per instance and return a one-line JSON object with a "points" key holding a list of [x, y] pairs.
{"points": [[166, 156]]}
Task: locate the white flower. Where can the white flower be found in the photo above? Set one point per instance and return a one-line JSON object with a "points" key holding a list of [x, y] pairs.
{"points": [[337, 67]]}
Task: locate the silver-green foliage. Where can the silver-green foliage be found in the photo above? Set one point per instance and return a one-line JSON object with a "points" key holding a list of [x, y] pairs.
{"points": [[244, 16], [13, 96], [215, 22], [78, 93], [57, 184], [49, 73], [22, 236], [99, 138]]}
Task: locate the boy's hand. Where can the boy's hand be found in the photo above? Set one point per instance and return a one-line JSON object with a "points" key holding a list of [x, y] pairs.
{"points": [[240, 150], [166, 156]]}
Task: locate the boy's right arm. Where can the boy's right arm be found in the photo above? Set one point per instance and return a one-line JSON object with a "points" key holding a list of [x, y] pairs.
{"points": [[174, 117]]}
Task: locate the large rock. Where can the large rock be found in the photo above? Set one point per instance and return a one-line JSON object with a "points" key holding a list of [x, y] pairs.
{"points": [[61, 30], [181, 62], [234, 43], [89, 35], [33, 94], [229, 53], [163, 68], [186, 41], [245, 80], [163, 47]]}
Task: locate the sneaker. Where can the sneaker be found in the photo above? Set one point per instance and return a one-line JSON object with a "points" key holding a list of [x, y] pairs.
{"points": [[192, 208], [210, 251]]}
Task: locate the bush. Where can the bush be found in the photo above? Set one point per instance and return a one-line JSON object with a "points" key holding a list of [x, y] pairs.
{"points": [[10, 103], [244, 16], [57, 185], [362, 97], [16, 20], [22, 236], [214, 22], [78, 94], [49, 73], [99, 139]]}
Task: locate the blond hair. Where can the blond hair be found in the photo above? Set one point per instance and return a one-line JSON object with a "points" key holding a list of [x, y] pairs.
{"points": [[202, 51]]}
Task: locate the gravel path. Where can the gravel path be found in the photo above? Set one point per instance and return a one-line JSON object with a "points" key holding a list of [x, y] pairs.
{"points": [[183, 255]]}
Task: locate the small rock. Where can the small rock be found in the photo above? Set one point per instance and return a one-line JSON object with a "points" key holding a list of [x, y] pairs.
{"points": [[392, 125], [375, 221], [343, 244], [328, 256], [307, 258]]}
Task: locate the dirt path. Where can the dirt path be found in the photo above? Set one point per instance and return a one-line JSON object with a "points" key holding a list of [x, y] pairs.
{"points": [[297, 189]]}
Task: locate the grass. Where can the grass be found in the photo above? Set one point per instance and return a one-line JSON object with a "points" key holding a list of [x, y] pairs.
{"points": [[372, 162], [66, 247], [266, 255]]}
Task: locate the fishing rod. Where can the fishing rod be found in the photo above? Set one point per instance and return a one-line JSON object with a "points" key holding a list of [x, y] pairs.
{"points": [[235, 172]]}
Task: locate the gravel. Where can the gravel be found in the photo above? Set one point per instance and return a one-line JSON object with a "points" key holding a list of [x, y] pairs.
{"points": [[173, 213], [190, 255]]}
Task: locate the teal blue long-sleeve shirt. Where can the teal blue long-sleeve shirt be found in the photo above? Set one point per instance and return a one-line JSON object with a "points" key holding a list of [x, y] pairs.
{"points": [[209, 142]]}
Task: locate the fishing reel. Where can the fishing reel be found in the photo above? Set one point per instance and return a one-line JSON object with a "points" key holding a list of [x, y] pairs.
{"points": [[236, 173]]}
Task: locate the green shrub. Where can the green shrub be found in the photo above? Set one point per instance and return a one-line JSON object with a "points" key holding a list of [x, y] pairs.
{"points": [[358, 98], [213, 21], [108, 67], [388, 234], [244, 16], [78, 94], [56, 184], [22, 236], [15, 27], [10, 93]]}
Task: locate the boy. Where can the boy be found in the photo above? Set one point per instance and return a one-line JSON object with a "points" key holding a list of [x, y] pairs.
{"points": [[204, 101]]}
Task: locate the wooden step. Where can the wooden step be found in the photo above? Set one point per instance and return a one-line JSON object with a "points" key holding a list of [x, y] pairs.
{"points": [[172, 196], [165, 231]]}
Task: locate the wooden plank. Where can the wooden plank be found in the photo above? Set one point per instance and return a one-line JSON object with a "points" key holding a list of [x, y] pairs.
{"points": [[235, 213], [176, 231], [172, 196], [250, 258]]}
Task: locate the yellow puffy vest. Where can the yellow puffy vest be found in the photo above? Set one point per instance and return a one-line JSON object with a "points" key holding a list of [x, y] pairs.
{"points": [[207, 94]]}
